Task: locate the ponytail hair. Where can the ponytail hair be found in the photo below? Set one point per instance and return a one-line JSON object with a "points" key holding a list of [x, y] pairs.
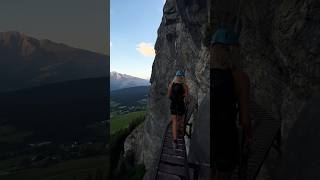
{"points": [[179, 79]]}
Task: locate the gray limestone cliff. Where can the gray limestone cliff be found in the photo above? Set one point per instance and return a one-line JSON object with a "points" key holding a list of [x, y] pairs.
{"points": [[180, 45], [280, 47], [280, 43]]}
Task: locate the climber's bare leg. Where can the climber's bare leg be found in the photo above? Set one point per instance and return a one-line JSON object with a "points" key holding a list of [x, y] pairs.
{"points": [[174, 126], [182, 128], [179, 122], [179, 125]]}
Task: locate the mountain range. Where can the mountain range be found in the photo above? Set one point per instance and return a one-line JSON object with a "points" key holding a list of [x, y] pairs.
{"points": [[59, 112], [121, 81], [27, 62]]}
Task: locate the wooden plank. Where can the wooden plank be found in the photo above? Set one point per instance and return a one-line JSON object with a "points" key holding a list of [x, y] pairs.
{"points": [[265, 130], [170, 136], [175, 170], [165, 176], [173, 159], [170, 141], [167, 138], [179, 141], [170, 145], [173, 152]]}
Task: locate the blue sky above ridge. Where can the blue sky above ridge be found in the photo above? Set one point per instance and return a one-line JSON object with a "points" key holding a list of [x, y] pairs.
{"points": [[133, 33]]}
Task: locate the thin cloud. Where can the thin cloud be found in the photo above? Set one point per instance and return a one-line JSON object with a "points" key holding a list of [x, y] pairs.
{"points": [[146, 49]]}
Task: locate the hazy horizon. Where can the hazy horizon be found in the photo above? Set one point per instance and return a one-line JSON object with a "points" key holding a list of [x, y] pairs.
{"points": [[77, 23], [129, 75]]}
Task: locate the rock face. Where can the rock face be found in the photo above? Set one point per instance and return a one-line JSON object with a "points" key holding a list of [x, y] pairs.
{"points": [[179, 46], [199, 152], [131, 148], [302, 159], [280, 46], [200, 142]]}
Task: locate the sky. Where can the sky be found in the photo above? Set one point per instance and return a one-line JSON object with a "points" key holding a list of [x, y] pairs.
{"points": [[133, 33], [78, 23]]}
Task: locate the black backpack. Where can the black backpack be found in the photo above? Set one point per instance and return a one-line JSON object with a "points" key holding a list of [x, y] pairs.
{"points": [[177, 92]]}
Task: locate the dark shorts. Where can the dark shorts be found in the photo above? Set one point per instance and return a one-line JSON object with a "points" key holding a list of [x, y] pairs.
{"points": [[177, 108]]}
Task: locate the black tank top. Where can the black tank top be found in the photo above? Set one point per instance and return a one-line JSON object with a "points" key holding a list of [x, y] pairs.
{"points": [[177, 92]]}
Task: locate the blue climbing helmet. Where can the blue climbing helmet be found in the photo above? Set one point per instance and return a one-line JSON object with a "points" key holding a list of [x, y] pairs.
{"points": [[225, 34], [180, 73]]}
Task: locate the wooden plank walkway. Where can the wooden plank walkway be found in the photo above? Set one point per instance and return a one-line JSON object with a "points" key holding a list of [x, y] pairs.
{"points": [[172, 162], [265, 131]]}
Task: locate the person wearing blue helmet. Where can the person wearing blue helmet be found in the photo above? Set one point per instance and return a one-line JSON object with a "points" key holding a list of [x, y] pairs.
{"points": [[229, 89], [178, 92]]}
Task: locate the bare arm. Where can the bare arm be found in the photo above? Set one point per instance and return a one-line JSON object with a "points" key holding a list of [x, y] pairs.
{"points": [[186, 93], [186, 90], [169, 90]]}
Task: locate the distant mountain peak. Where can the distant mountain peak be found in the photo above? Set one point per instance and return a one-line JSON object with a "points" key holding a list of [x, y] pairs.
{"points": [[28, 62], [25, 45], [120, 81], [13, 33], [19, 42], [11, 36], [120, 75]]}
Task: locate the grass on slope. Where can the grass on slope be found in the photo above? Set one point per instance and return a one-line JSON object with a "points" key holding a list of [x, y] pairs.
{"points": [[121, 122], [129, 96], [80, 169]]}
